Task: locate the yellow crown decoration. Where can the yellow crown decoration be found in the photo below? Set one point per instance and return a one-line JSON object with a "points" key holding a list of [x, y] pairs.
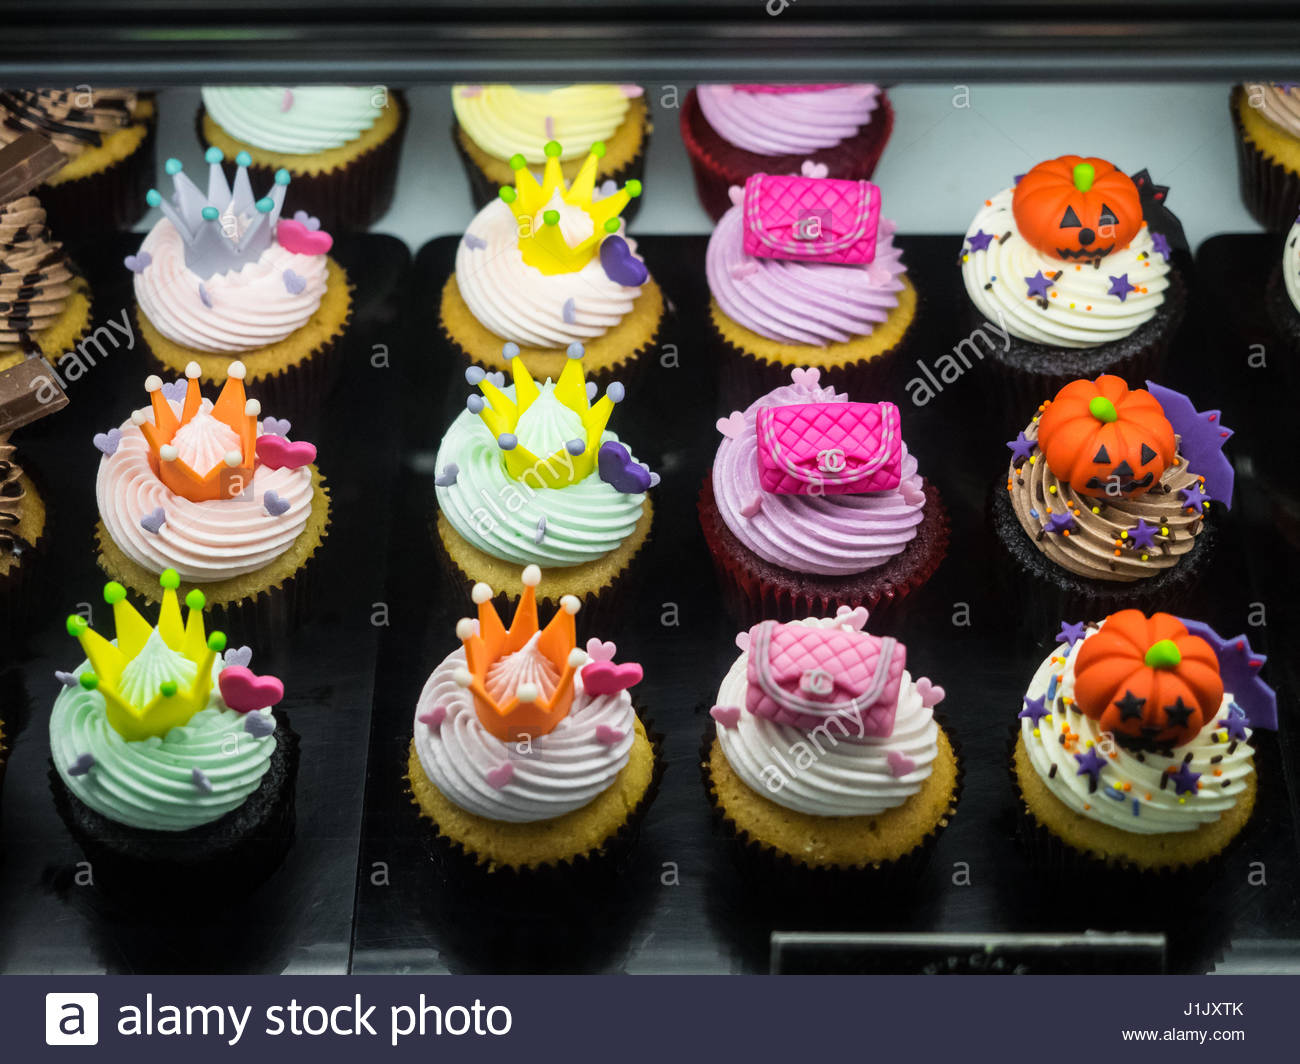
{"points": [[541, 240], [170, 703], [577, 460]]}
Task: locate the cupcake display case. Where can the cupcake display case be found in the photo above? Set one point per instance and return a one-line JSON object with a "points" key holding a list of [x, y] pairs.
{"points": [[503, 518]]}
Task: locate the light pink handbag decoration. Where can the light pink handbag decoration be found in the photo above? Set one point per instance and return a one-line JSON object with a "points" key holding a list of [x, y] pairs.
{"points": [[810, 219], [829, 448], [804, 676]]}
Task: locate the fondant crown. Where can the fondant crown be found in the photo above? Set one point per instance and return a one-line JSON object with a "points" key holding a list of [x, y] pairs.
{"points": [[542, 240], [232, 472], [521, 678], [501, 414], [137, 708], [229, 226]]}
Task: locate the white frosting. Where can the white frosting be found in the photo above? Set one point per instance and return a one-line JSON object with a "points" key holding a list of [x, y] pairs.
{"points": [[1291, 265], [1158, 810]]}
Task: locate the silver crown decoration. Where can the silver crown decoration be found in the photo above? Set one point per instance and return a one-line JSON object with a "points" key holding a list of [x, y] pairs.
{"points": [[227, 228]]}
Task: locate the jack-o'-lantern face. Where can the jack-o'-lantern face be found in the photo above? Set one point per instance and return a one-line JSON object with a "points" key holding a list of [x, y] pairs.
{"points": [[1077, 208]]}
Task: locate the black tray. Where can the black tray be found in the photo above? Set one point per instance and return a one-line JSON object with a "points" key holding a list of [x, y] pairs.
{"points": [[681, 905], [300, 920]]}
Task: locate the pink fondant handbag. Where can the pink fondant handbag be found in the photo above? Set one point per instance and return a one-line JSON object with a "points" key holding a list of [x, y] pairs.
{"points": [[804, 676], [829, 448], [811, 219]]}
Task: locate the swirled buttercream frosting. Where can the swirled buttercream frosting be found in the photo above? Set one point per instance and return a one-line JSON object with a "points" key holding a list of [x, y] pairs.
{"points": [[74, 119], [297, 120], [505, 120], [1278, 103], [790, 119], [35, 275]]}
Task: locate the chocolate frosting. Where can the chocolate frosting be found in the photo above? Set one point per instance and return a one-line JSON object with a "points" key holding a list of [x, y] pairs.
{"points": [[35, 276], [59, 115], [11, 499]]}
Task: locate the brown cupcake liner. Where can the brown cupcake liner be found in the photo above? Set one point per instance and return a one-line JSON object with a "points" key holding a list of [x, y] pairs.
{"points": [[482, 190], [1269, 190], [717, 165], [754, 590], [778, 871], [586, 873], [106, 201], [347, 198]]}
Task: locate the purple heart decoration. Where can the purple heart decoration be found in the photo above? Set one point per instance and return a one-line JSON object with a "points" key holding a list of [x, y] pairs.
{"points": [[175, 390], [568, 312], [309, 220], [275, 452], [474, 243], [138, 262], [275, 504], [83, 764], [68, 679], [106, 442], [617, 468], [448, 476], [620, 265], [539, 533], [237, 656], [294, 283], [259, 725], [201, 782], [204, 297], [276, 426], [153, 522]]}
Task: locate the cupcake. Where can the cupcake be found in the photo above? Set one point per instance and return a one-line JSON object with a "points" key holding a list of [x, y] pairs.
{"points": [[216, 493], [106, 137], [1266, 119], [340, 143], [1282, 295], [1074, 265], [815, 502], [223, 276], [1107, 497], [495, 123], [529, 475], [825, 753], [528, 755], [545, 266], [168, 765], [1133, 749], [732, 132], [803, 271]]}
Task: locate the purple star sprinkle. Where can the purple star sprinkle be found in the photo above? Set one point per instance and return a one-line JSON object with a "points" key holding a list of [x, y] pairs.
{"points": [[1090, 764], [1021, 446], [1070, 633], [1038, 285], [1184, 779], [1035, 709], [1160, 244], [1192, 497], [1235, 727], [1060, 521], [980, 240], [1143, 534], [1119, 286]]}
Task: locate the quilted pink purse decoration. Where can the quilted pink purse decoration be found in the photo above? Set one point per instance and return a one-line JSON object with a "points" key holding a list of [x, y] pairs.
{"points": [[829, 448], [811, 219], [804, 676]]}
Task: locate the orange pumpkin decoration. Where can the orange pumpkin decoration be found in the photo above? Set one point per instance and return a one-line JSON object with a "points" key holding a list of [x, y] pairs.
{"points": [[1147, 677], [1077, 208], [1105, 439]]}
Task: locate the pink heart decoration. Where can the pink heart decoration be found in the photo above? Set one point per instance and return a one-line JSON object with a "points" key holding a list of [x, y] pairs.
{"points": [[931, 693], [855, 618], [741, 270], [727, 716], [501, 775], [244, 691], [806, 376], [732, 425], [812, 169], [275, 452], [737, 195], [295, 237], [742, 641], [598, 651], [606, 678], [752, 507], [608, 736], [434, 718], [900, 764]]}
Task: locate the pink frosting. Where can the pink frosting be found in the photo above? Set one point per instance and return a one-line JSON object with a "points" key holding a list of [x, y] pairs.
{"points": [[203, 541], [828, 535], [787, 120], [812, 303], [250, 308]]}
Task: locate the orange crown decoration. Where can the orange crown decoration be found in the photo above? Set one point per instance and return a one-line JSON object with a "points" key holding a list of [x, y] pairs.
{"points": [[224, 478], [522, 677]]}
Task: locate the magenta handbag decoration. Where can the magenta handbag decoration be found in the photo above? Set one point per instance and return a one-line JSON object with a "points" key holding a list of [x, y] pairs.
{"points": [[805, 675], [829, 448], [811, 219]]}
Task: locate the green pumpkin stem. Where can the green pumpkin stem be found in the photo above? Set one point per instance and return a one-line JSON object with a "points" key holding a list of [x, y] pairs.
{"points": [[1102, 409], [1163, 655], [1084, 175]]}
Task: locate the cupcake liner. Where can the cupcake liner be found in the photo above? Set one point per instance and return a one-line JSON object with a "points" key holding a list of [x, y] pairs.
{"points": [[1042, 594], [718, 165], [755, 590], [482, 190], [587, 873], [106, 201], [213, 864], [1269, 190], [346, 198], [779, 871], [24, 601]]}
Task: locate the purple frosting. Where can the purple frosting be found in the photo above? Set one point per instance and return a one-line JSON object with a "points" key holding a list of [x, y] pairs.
{"points": [[798, 122], [811, 303], [826, 535]]}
